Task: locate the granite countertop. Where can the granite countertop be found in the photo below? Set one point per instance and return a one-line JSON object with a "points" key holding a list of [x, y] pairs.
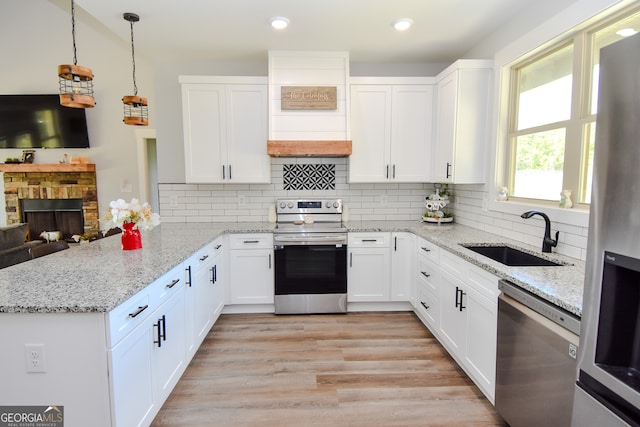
{"points": [[561, 285], [98, 276]]}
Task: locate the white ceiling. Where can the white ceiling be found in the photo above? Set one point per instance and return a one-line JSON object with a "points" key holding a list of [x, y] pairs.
{"points": [[443, 30]]}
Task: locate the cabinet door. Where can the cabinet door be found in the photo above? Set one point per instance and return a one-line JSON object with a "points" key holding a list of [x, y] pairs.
{"points": [[446, 129], [411, 133], [368, 275], [452, 319], [246, 115], [370, 133], [203, 112], [169, 347], [402, 267], [218, 275], [251, 276], [133, 393], [203, 293], [480, 353]]}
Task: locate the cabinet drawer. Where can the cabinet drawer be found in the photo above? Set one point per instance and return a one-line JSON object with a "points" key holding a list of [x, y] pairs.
{"points": [[474, 276], [428, 307], [428, 273], [428, 250], [453, 264], [369, 240], [167, 285], [125, 317], [251, 241]]}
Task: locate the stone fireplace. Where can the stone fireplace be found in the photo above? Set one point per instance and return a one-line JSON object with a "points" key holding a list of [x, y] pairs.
{"points": [[60, 196]]}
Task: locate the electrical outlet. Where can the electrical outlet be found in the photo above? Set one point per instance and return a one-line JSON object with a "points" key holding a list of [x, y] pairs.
{"points": [[173, 201], [34, 357], [242, 201]]}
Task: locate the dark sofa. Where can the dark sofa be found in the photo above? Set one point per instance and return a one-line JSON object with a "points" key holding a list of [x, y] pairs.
{"points": [[14, 248]]}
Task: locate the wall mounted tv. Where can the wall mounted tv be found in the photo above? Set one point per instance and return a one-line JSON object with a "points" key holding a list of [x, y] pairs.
{"points": [[39, 121]]}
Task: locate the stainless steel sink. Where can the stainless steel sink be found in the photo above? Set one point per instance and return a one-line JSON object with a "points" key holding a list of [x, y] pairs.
{"points": [[511, 256]]}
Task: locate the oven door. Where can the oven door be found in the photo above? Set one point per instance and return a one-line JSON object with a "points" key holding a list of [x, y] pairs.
{"points": [[310, 269]]}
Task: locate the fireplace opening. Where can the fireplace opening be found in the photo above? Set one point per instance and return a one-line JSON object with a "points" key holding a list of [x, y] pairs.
{"points": [[64, 215]]}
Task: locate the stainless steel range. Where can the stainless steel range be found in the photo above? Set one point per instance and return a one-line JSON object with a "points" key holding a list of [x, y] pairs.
{"points": [[310, 252]]}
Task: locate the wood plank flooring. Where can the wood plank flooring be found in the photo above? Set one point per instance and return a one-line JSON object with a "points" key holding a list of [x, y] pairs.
{"points": [[358, 369]]}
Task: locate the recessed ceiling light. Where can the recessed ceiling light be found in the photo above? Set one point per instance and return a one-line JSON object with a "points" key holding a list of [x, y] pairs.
{"points": [[279, 22], [402, 24], [626, 32]]}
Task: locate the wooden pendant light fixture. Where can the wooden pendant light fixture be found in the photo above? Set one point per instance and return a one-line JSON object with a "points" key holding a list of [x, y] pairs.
{"points": [[75, 81], [136, 109]]}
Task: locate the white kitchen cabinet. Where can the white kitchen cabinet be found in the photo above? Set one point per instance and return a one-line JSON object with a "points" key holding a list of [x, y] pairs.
{"points": [[204, 293], [251, 279], [391, 130], [468, 318], [147, 351], [402, 267], [225, 129], [369, 268], [462, 119]]}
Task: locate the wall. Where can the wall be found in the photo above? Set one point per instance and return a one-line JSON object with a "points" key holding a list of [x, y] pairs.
{"points": [[36, 38], [244, 202]]}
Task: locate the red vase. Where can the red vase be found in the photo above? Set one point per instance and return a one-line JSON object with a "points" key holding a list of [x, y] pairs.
{"points": [[131, 238]]}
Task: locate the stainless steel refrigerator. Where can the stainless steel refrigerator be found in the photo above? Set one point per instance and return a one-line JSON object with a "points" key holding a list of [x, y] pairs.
{"points": [[608, 387]]}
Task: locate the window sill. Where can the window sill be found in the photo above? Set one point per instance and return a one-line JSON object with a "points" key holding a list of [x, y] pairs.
{"points": [[574, 216]]}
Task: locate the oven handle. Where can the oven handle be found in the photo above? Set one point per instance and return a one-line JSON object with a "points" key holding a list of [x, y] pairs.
{"points": [[306, 240]]}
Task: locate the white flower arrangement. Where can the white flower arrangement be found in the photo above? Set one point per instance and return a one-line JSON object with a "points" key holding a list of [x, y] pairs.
{"points": [[121, 212]]}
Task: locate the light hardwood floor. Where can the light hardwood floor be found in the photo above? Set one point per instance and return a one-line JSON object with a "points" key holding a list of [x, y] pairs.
{"points": [[358, 369]]}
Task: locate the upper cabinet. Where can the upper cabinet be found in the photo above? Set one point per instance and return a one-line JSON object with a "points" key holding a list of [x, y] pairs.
{"points": [[462, 119], [225, 129], [391, 129]]}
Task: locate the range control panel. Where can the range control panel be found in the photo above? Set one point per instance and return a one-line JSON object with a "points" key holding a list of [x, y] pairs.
{"points": [[309, 206]]}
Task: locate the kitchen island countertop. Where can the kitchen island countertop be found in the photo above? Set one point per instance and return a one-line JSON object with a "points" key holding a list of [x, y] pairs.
{"points": [[98, 276]]}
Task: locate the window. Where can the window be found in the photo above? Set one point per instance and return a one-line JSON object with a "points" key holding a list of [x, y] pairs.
{"points": [[552, 115]]}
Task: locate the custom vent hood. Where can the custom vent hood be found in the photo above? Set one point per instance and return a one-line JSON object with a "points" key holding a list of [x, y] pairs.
{"points": [[308, 114]]}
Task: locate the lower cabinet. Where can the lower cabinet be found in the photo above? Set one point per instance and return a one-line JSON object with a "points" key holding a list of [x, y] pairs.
{"points": [[402, 260], [369, 267], [145, 365], [427, 278], [469, 318], [251, 278]]}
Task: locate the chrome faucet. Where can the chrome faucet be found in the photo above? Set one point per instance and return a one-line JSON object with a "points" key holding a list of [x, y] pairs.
{"points": [[547, 241]]}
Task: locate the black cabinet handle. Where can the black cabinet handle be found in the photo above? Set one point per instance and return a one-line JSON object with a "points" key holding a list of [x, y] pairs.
{"points": [[224, 175], [138, 311], [369, 240], [387, 171], [395, 244], [161, 325], [172, 284], [269, 261], [448, 166], [394, 172], [229, 171], [202, 258], [426, 307], [218, 247], [350, 259], [457, 297], [213, 274], [188, 270], [425, 249], [425, 274], [252, 241], [462, 294]]}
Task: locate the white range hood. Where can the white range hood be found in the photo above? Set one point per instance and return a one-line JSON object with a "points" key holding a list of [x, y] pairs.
{"points": [[314, 128]]}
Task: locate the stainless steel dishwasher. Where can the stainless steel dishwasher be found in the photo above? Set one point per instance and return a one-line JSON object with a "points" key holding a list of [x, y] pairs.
{"points": [[536, 366]]}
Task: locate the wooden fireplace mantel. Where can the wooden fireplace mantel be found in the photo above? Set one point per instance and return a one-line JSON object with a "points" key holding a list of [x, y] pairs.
{"points": [[47, 167]]}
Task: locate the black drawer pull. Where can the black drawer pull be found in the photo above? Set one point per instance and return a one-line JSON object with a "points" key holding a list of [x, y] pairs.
{"points": [[138, 311], [188, 269], [202, 258], [218, 247], [252, 241], [425, 249], [425, 274], [369, 240], [172, 284], [426, 307]]}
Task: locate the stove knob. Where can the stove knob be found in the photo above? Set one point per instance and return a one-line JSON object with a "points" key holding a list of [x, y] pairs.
{"points": [[290, 205], [328, 205], [336, 204], [282, 205]]}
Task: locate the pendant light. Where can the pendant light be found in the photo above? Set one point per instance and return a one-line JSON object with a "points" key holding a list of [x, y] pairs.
{"points": [[75, 81], [136, 110]]}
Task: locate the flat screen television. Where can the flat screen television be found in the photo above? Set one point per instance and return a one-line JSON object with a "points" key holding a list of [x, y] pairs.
{"points": [[39, 121]]}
